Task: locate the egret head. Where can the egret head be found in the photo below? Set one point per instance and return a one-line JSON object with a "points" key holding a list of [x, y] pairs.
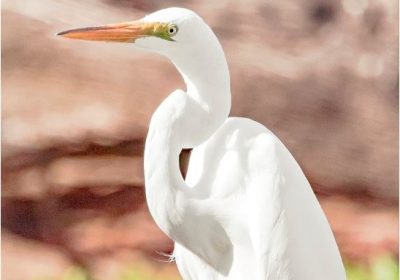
{"points": [[183, 37], [167, 31]]}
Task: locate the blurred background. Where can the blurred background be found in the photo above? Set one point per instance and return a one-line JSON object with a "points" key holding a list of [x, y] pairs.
{"points": [[321, 74]]}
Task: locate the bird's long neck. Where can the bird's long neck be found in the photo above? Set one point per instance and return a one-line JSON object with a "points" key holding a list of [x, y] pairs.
{"points": [[183, 120], [162, 181], [208, 90]]}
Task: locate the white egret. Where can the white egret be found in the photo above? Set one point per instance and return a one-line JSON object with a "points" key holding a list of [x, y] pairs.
{"points": [[245, 209]]}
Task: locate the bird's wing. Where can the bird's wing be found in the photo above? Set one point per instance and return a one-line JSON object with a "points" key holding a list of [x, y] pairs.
{"points": [[262, 191], [240, 164], [288, 228], [290, 234], [241, 156], [267, 221]]}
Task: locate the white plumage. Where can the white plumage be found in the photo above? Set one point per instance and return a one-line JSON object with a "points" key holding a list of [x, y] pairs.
{"points": [[245, 210]]}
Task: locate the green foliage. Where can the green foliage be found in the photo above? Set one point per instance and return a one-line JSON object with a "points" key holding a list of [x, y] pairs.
{"points": [[74, 273], [135, 274], [382, 268]]}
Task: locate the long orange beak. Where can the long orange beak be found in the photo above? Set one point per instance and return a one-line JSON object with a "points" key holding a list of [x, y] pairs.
{"points": [[119, 32]]}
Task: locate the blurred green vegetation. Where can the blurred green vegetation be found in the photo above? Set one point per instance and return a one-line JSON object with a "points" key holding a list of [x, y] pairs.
{"points": [[381, 268], [74, 273], [140, 274]]}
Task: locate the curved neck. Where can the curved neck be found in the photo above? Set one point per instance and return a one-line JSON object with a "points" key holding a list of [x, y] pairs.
{"points": [[206, 75], [163, 182], [183, 120]]}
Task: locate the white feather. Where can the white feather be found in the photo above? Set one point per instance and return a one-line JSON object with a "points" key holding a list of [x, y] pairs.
{"points": [[246, 210]]}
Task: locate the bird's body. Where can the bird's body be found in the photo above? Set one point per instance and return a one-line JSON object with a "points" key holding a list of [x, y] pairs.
{"points": [[252, 212], [270, 221], [245, 209]]}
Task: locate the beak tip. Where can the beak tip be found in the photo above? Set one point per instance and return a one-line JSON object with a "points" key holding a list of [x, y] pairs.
{"points": [[122, 32], [62, 33]]}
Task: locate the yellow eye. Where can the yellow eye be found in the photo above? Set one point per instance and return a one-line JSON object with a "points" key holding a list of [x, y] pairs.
{"points": [[172, 30]]}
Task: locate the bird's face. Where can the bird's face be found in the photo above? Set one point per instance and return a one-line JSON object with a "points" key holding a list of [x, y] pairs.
{"points": [[165, 31]]}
